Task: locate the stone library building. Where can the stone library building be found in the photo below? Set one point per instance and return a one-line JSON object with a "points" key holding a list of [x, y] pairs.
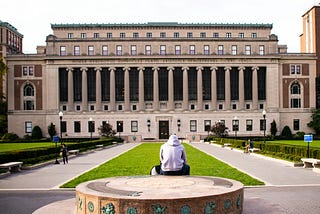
{"points": [[154, 79]]}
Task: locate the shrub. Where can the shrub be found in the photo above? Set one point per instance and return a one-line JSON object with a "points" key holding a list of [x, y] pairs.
{"points": [[286, 133], [36, 133], [10, 137]]}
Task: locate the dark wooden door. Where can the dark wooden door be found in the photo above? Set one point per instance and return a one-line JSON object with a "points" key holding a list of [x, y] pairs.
{"points": [[163, 129]]}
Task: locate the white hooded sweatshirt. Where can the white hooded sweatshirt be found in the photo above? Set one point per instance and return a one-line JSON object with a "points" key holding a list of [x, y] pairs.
{"points": [[172, 155]]}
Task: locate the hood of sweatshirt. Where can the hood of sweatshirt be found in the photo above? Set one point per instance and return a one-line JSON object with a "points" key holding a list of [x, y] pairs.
{"points": [[173, 140]]}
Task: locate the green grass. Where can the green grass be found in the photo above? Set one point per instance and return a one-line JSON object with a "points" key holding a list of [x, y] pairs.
{"points": [[140, 160], [5, 147], [315, 143]]}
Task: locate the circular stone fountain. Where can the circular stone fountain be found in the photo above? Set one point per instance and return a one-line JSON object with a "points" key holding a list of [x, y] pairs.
{"points": [[159, 194]]}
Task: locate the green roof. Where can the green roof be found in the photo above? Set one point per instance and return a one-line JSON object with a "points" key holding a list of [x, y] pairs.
{"points": [[161, 24], [9, 26]]}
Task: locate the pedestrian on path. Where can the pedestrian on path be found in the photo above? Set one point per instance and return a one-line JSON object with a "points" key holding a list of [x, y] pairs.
{"points": [[64, 152]]}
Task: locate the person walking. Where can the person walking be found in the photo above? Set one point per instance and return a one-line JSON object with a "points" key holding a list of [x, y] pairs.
{"points": [[64, 152]]}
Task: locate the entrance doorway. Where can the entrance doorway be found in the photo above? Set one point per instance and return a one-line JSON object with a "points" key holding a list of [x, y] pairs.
{"points": [[163, 129]]}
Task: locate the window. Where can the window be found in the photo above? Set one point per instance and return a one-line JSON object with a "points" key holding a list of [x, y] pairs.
{"points": [[262, 125], [119, 50], [249, 125], [28, 127], [248, 49], [247, 106], [119, 126], [177, 49], [83, 35], [235, 125], [135, 35], [241, 35], [109, 35], [234, 50], [192, 50], [70, 35], [253, 35], [261, 49], [149, 35], [28, 105], [295, 69], [296, 124], [133, 50], [162, 50], [228, 35], [27, 71], [234, 106], [176, 35], [105, 107], [207, 125], [220, 49], [162, 35], [206, 50], [91, 107], [104, 50], [295, 103], [30, 71], [122, 35], [28, 97], [215, 35], [90, 50], [134, 126], [91, 126], [77, 126], [148, 49], [63, 126], [76, 51], [96, 35], [63, 51], [295, 88], [220, 106], [28, 90], [193, 125], [189, 35], [203, 35]]}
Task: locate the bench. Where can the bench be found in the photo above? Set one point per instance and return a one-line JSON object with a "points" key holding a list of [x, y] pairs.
{"points": [[12, 166], [73, 152], [227, 145], [100, 146], [253, 150], [310, 163]]}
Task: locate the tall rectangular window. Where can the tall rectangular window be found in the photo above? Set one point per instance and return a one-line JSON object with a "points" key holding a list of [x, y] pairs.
{"points": [[192, 50], [63, 126], [70, 35], [234, 50], [133, 50], [162, 50], [296, 124], [228, 35], [28, 127], [262, 125], [203, 35], [177, 50], [253, 35], [162, 35], [148, 49], [149, 35], [189, 35], [176, 34], [261, 49], [83, 35], [119, 50], [295, 103], [63, 51], [90, 50], [295, 69], [220, 49], [206, 50], [193, 125], [249, 125], [134, 126], [135, 35], [109, 35], [77, 50], [77, 126], [248, 49], [104, 50], [96, 35]]}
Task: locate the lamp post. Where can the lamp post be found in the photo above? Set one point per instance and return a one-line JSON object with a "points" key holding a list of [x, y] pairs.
{"points": [[60, 117], [90, 128], [264, 125]]}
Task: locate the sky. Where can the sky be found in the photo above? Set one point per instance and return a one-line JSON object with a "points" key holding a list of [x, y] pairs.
{"points": [[33, 18]]}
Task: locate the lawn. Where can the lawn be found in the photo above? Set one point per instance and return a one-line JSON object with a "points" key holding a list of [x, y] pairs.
{"points": [[315, 143], [139, 161], [4, 147]]}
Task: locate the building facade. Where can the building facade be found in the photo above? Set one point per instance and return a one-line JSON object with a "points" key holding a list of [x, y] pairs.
{"points": [[155, 79]]}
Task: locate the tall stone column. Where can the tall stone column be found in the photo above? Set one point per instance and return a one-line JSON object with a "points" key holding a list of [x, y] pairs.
{"points": [[213, 88], [126, 89], [241, 88], [199, 89], [155, 89], [84, 89], [185, 95], [255, 87], [112, 89], [98, 88], [141, 89], [170, 90], [70, 89], [227, 88]]}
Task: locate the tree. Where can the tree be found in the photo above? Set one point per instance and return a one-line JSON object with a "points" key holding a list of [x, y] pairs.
{"points": [[52, 130], [273, 128], [36, 133], [315, 122], [219, 129], [106, 130], [286, 132]]}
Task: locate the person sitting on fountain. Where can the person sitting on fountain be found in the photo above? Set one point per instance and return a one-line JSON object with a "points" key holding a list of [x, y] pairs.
{"points": [[173, 158]]}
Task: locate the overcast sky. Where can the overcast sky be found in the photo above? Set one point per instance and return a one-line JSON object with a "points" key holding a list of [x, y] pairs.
{"points": [[32, 18]]}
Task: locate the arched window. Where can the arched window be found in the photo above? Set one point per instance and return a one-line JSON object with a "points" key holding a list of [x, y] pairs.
{"points": [[28, 90], [295, 88]]}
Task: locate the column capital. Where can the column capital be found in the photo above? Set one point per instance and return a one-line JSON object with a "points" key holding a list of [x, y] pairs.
{"points": [[199, 68], [112, 68], [155, 68], [141, 68], [185, 68], [97, 68], [255, 68], [227, 68], [70, 69], [170, 68], [213, 68], [126, 68], [83, 68], [241, 68]]}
